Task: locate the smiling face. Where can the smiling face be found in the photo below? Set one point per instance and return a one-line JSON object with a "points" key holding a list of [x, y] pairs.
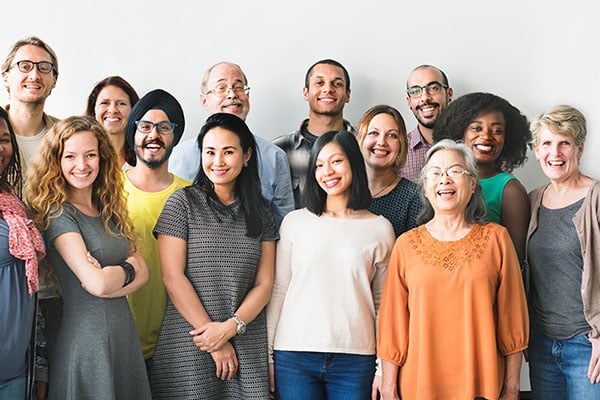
{"points": [[223, 158], [333, 171], [427, 107], [448, 195], [485, 136], [6, 149], [558, 155], [112, 109], [326, 93], [32, 87], [236, 103], [381, 144], [80, 161], [153, 148]]}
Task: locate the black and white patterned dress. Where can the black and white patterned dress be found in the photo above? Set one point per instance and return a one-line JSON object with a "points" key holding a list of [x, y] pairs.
{"points": [[221, 266]]}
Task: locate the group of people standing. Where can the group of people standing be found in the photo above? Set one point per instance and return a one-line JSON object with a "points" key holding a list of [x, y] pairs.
{"points": [[330, 263]]}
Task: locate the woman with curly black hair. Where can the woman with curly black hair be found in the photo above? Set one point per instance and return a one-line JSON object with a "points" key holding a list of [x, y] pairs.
{"points": [[498, 135]]}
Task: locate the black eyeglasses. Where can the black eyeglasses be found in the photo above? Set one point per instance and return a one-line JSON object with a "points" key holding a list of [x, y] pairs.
{"points": [[162, 127], [25, 66], [432, 88]]}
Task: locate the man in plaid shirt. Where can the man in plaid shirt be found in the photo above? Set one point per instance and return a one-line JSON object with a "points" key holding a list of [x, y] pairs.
{"points": [[327, 90], [428, 93]]}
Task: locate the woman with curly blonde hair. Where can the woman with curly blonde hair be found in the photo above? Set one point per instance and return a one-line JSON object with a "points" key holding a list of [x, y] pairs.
{"points": [[75, 193]]}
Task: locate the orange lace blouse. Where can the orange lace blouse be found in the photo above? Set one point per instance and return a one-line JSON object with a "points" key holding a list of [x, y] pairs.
{"points": [[451, 311]]}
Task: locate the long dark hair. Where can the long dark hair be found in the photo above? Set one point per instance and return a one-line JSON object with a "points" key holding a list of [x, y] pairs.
{"points": [[360, 196], [12, 174], [247, 184]]}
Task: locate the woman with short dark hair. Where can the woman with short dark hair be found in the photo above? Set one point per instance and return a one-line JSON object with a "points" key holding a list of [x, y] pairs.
{"points": [[331, 262]]}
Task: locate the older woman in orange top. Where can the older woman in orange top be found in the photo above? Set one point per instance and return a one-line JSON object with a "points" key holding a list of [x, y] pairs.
{"points": [[453, 319]]}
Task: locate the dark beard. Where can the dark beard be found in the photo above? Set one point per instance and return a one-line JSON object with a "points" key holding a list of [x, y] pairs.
{"points": [[154, 164]]}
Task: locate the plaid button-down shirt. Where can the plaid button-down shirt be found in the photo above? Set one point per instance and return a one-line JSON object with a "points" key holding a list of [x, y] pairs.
{"points": [[297, 146], [417, 149]]}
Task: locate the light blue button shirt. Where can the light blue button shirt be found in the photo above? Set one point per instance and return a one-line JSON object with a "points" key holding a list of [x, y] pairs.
{"points": [[273, 171]]}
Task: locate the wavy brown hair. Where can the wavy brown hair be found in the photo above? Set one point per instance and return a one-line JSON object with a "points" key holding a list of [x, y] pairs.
{"points": [[46, 189]]}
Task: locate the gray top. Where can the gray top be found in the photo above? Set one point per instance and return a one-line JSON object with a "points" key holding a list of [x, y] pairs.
{"points": [[97, 354], [556, 266]]}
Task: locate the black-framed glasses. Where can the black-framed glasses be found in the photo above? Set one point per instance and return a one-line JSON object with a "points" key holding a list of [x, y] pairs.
{"points": [[222, 89], [431, 88], [162, 127], [25, 66], [454, 171]]}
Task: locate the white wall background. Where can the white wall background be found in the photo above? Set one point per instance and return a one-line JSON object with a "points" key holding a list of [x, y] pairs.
{"points": [[533, 53]]}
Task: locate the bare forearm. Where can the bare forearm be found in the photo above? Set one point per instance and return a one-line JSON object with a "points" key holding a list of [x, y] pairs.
{"points": [[512, 375], [186, 301], [140, 279], [254, 302], [389, 381]]}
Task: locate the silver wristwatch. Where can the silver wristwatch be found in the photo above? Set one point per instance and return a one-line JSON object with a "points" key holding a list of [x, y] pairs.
{"points": [[241, 325]]}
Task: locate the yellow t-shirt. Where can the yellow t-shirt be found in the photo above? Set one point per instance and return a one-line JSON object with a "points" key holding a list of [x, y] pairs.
{"points": [[148, 303]]}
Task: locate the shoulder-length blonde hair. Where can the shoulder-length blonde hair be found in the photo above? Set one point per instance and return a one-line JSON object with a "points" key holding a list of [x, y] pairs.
{"points": [[46, 188]]}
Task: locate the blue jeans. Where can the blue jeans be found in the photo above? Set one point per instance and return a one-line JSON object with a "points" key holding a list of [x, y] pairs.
{"points": [[323, 376], [558, 368], [14, 389]]}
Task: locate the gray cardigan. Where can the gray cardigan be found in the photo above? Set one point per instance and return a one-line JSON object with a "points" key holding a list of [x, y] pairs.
{"points": [[587, 225]]}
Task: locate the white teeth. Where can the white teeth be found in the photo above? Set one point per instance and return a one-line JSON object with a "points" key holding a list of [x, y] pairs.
{"points": [[483, 147], [556, 163], [331, 183], [380, 152]]}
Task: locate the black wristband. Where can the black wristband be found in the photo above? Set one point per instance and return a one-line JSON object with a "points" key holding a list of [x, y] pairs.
{"points": [[129, 272]]}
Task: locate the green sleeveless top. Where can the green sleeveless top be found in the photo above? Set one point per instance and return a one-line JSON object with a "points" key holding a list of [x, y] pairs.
{"points": [[493, 188]]}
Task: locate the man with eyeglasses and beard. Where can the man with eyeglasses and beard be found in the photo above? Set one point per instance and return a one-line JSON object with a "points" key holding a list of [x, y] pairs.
{"points": [[225, 89], [154, 127], [427, 94], [29, 73]]}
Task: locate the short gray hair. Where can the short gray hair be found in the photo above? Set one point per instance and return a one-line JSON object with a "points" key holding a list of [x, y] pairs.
{"points": [[476, 211]]}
